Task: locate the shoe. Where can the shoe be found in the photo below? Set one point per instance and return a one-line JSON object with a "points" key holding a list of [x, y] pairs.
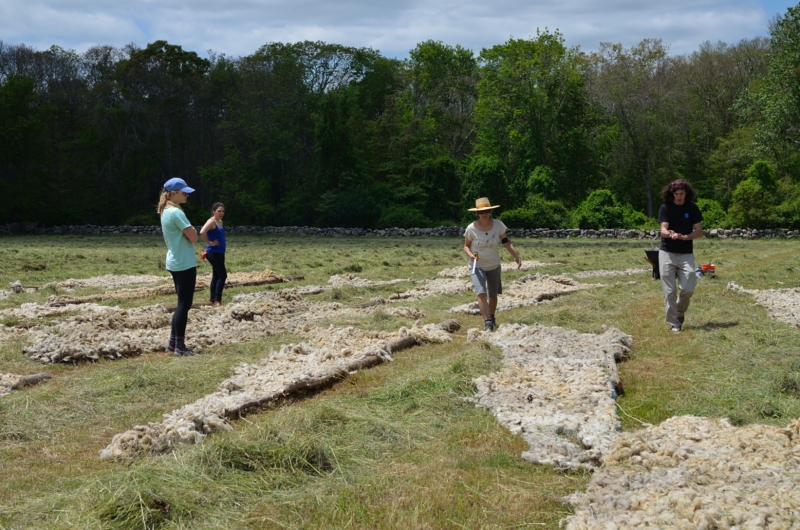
{"points": [[494, 322], [488, 325], [676, 329], [216, 303], [184, 352], [170, 348]]}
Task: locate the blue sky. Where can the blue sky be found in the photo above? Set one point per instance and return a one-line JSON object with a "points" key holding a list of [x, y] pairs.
{"points": [[239, 27]]}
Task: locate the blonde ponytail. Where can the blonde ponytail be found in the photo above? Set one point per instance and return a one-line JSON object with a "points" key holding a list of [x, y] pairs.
{"points": [[164, 202]]}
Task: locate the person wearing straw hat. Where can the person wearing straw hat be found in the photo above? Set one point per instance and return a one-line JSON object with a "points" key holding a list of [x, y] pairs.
{"points": [[681, 222], [482, 240]]}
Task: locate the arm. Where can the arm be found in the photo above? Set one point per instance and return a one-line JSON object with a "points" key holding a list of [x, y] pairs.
{"points": [[210, 224], [190, 233], [510, 247], [467, 244], [697, 232], [666, 233]]}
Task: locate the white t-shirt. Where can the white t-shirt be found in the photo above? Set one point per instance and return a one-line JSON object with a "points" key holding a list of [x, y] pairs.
{"points": [[486, 243]]}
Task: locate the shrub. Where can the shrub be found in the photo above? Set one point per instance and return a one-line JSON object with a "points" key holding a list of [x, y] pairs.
{"points": [[538, 213], [754, 198], [714, 215], [602, 210]]}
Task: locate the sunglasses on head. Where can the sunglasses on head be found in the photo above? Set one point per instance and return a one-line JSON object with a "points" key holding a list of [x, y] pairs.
{"points": [[678, 184]]}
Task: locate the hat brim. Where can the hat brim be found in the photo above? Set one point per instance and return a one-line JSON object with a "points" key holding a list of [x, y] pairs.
{"points": [[187, 189], [483, 209]]}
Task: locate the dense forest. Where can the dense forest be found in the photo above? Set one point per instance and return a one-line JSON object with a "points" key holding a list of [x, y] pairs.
{"points": [[321, 134]]}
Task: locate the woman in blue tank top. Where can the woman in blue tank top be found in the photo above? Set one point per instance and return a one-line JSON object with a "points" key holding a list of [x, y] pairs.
{"points": [[214, 235]]}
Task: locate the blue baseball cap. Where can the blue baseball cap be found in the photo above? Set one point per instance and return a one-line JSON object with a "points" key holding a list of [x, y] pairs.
{"points": [[176, 184]]}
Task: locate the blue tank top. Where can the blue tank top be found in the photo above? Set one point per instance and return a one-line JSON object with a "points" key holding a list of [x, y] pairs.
{"points": [[216, 233]]}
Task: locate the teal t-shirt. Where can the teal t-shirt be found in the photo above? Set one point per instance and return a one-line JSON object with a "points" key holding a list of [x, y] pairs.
{"points": [[180, 251]]}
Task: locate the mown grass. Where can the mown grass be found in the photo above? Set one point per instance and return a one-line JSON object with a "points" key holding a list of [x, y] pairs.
{"points": [[391, 447]]}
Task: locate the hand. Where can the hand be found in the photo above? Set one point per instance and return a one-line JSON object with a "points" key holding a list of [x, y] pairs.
{"points": [[519, 262], [214, 243]]}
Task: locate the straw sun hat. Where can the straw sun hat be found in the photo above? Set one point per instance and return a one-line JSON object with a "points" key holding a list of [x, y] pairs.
{"points": [[483, 204]]}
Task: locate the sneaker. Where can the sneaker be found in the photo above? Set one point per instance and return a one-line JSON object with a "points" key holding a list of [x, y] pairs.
{"points": [[488, 325], [170, 348], [676, 329], [216, 303], [184, 352]]}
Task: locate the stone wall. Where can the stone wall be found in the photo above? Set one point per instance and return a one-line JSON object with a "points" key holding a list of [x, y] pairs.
{"points": [[441, 231]]}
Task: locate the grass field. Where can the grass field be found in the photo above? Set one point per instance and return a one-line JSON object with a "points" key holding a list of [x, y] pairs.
{"points": [[391, 447]]}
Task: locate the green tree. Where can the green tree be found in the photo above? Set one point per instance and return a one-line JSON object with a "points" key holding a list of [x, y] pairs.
{"points": [[531, 112], [23, 145]]}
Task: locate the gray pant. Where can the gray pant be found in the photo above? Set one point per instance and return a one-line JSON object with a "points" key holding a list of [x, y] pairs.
{"points": [[671, 264]]}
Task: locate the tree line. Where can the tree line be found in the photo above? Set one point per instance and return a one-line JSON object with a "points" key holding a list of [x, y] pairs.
{"points": [[320, 134]]}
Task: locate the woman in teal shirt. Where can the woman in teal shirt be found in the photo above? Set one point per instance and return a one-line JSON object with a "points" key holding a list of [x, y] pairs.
{"points": [[180, 237]]}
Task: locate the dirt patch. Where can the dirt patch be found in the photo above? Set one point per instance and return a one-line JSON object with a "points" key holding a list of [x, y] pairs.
{"points": [[691, 473], [530, 290]]}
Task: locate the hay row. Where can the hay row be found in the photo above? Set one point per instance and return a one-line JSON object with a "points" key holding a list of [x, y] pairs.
{"points": [[556, 390], [463, 271], [328, 354], [236, 279], [112, 332], [608, 274], [9, 382], [695, 473], [781, 304], [530, 290]]}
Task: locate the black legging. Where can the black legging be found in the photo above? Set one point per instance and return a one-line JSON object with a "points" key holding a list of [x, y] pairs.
{"points": [[184, 286], [218, 274]]}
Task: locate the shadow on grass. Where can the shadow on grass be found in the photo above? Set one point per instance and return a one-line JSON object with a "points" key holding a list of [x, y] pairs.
{"points": [[712, 326]]}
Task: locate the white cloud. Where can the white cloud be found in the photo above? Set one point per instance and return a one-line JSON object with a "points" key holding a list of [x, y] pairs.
{"points": [[239, 27]]}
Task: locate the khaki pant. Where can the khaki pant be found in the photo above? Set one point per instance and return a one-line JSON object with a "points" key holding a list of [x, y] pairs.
{"points": [[670, 265]]}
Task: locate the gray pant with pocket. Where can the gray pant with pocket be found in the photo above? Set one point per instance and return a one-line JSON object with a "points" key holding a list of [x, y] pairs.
{"points": [[670, 265]]}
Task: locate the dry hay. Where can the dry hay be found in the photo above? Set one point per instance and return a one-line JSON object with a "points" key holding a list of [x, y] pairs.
{"points": [[530, 290], [302, 290], [109, 281], [327, 354], [340, 280], [113, 332], [463, 271], [9, 382], [608, 274], [236, 279], [435, 287], [781, 304], [555, 390], [695, 473], [16, 287]]}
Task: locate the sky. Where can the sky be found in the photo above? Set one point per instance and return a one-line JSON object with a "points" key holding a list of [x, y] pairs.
{"points": [[240, 27]]}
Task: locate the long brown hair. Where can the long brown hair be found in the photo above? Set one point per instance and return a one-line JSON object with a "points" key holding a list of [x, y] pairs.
{"points": [[164, 202], [668, 193]]}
